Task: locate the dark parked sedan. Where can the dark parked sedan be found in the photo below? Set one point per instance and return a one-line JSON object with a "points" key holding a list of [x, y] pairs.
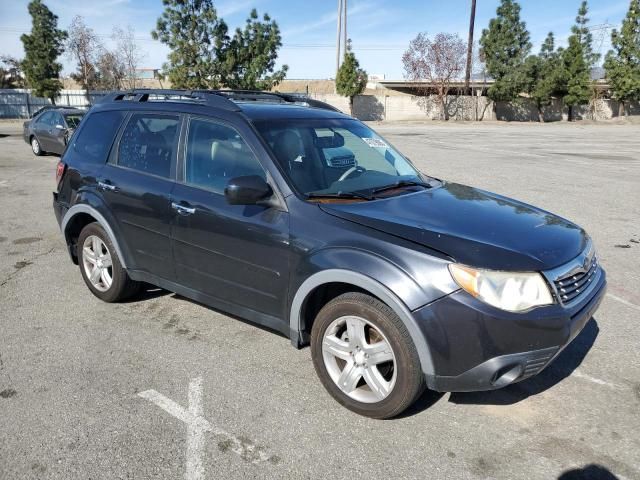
{"points": [[49, 130]]}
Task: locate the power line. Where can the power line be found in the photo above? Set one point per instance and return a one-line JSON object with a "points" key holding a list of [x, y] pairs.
{"points": [[364, 46]]}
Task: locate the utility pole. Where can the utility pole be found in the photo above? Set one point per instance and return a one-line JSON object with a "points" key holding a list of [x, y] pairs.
{"points": [[472, 21], [344, 26], [338, 37]]}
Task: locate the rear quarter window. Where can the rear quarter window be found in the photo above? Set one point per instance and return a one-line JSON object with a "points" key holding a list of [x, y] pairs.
{"points": [[93, 142]]}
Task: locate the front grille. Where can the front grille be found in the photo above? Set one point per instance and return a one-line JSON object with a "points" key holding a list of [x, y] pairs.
{"points": [[571, 286]]}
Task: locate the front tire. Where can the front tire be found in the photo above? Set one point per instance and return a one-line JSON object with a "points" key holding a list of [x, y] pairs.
{"points": [[100, 266], [364, 356], [36, 148]]}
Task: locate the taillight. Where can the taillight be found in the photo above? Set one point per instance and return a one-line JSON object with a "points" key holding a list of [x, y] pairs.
{"points": [[60, 171]]}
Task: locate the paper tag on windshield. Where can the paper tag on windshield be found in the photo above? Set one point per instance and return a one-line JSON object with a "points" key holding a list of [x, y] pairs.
{"points": [[375, 143]]}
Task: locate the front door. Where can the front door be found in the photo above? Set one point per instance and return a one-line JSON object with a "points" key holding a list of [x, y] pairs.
{"points": [[43, 129], [137, 185], [238, 254]]}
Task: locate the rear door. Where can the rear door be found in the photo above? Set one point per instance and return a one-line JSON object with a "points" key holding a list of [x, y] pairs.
{"points": [[137, 183], [236, 253]]}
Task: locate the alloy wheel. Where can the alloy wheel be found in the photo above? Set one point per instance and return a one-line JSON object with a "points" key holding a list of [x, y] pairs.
{"points": [[35, 145], [359, 359], [97, 263]]}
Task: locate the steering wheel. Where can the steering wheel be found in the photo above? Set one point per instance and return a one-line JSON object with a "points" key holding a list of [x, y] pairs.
{"points": [[347, 174]]}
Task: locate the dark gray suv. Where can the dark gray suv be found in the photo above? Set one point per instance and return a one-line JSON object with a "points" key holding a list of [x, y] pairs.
{"points": [[292, 215]]}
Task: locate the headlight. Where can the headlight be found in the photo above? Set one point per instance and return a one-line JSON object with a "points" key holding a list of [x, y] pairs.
{"points": [[512, 291]]}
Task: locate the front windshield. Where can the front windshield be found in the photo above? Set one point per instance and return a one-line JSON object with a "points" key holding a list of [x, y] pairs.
{"points": [[335, 157], [73, 120]]}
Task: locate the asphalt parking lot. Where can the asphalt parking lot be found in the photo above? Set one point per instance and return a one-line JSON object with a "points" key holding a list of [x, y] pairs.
{"points": [[162, 387]]}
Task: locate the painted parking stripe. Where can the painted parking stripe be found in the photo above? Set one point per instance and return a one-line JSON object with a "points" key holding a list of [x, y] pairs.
{"points": [[624, 302], [578, 374], [198, 426]]}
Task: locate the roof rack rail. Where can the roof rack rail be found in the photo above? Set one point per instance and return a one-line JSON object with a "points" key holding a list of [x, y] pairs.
{"points": [[257, 95], [223, 99], [207, 97]]}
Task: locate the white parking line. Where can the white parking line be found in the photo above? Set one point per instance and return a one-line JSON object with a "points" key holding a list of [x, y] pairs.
{"points": [[578, 374], [197, 426], [624, 302]]}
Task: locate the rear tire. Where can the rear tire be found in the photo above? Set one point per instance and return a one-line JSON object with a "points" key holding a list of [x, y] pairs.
{"points": [[365, 357], [100, 266], [36, 148]]}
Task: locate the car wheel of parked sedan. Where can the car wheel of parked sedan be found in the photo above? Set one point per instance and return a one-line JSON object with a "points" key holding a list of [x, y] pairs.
{"points": [[100, 266], [35, 146], [364, 356]]}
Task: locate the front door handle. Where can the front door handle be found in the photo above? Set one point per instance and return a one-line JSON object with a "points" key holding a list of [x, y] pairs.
{"points": [[107, 187], [182, 210]]}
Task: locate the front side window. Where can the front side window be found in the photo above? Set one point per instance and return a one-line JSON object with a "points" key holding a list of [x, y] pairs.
{"points": [[335, 157], [94, 140], [45, 119], [149, 143], [56, 120], [215, 154]]}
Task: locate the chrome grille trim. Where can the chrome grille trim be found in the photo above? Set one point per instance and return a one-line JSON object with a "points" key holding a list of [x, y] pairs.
{"points": [[574, 280]]}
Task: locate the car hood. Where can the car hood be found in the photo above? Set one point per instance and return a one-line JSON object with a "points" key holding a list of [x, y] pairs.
{"points": [[473, 227]]}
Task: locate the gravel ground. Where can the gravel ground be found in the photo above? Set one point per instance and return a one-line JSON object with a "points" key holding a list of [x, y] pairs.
{"points": [[72, 367]]}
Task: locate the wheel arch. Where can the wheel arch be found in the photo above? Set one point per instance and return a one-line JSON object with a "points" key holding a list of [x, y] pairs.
{"points": [[355, 282], [77, 217]]}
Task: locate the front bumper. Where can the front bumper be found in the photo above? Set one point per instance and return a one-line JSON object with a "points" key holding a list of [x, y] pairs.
{"points": [[477, 347]]}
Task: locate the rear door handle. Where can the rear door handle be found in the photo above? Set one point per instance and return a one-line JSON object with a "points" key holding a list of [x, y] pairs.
{"points": [[107, 187], [182, 210]]}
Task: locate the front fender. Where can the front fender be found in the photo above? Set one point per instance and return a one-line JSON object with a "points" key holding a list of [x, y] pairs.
{"points": [[374, 274]]}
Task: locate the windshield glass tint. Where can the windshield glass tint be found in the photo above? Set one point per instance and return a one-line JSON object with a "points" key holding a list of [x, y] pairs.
{"points": [[73, 120], [335, 156]]}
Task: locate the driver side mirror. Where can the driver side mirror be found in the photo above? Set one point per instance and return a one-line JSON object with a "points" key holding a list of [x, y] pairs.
{"points": [[247, 190], [60, 127]]}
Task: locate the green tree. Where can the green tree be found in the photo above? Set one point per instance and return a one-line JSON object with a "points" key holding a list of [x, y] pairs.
{"points": [[622, 63], [42, 48], [351, 80], [543, 75], [250, 56], [196, 37], [577, 59], [505, 46]]}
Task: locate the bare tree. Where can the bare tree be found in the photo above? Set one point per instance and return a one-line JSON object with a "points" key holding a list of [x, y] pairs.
{"points": [[111, 71], [130, 55], [85, 48], [439, 62], [11, 75]]}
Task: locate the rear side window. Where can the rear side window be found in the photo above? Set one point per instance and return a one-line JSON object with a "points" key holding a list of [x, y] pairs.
{"points": [[148, 143], [93, 142]]}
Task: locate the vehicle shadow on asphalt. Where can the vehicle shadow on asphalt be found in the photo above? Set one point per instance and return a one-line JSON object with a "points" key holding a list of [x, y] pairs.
{"points": [[590, 472], [147, 292], [563, 366]]}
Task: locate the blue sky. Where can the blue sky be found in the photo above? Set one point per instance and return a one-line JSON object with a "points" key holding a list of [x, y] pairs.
{"points": [[380, 29]]}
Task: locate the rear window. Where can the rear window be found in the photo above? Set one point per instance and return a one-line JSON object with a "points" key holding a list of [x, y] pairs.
{"points": [[94, 140], [148, 143]]}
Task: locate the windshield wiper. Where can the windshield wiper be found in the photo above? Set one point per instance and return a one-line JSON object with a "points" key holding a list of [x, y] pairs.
{"points": [[339, 195], [401, 183]]}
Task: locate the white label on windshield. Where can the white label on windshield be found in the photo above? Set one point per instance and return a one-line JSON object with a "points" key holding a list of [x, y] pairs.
{"points": [[375, 143]]}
